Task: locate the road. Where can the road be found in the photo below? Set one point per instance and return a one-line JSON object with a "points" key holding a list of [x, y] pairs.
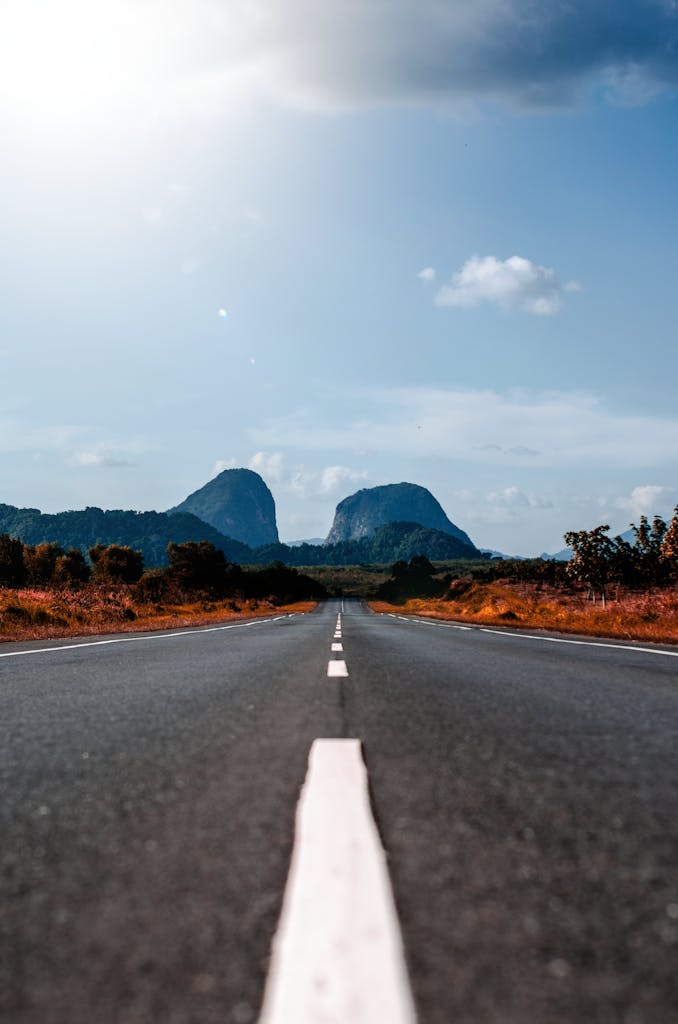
{"points": [[525, 792]]}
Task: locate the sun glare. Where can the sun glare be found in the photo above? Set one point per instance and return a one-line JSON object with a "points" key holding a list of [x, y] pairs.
{"points": [[70, 61]]}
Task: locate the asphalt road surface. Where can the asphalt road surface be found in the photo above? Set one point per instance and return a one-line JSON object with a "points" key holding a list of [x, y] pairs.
{"points": [[525, 790]]}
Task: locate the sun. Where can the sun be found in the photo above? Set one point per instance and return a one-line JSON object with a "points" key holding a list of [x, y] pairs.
{"points": [[71, 61]]}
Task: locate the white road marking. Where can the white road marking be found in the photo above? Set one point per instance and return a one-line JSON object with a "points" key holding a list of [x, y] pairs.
{"points": [[337, 647], [581, 643], [543, 639], [337, 635], [138, 638], [337, 954], [431, 622], [337, 668]]}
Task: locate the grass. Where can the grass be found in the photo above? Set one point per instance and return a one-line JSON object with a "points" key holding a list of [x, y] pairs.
{"points": [[32, 614], [650, 617]]}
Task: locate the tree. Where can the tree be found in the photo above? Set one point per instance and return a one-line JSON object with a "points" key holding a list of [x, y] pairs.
{"points": [[115, 564], [647, 550], [412, 579], [668, 553], [40, 562], [592, 558], [198, 566], [12, 567], [71, 569]]}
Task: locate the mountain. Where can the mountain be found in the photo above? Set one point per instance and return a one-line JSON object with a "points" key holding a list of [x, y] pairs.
{"points": [[360, 514], [148, 532], [238, 504], [509, 558]]}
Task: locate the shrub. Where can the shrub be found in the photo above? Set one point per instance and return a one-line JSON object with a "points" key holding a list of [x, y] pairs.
{"points": [[115, 564], [12, 566]]}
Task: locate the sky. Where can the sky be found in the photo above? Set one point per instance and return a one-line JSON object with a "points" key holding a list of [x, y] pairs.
{"points": [[344, 244]]}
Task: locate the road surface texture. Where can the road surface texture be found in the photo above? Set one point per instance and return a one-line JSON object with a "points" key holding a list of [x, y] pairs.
{"points": [[525, 791]]}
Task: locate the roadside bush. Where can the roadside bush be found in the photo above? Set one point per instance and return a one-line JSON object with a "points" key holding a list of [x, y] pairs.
{"points": [[199, 566], [40, 562], [12, 565], [71, 569], [115, 564]]}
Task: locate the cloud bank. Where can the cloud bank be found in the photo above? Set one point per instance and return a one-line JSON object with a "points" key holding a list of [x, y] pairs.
{"points": [[552, 430], [347, 53]]}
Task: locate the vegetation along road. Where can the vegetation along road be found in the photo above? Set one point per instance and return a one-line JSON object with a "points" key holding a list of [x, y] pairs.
{"points": [[524, 791]]}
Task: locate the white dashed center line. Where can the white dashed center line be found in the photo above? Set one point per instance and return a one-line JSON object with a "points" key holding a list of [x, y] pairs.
{"points": [[337, 647], [336, 669], [337, 954]]}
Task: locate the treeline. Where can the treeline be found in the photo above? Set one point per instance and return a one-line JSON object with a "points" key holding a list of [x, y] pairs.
{"points": [[599, 560], [194, 567], [150, 533], [389, 543]]}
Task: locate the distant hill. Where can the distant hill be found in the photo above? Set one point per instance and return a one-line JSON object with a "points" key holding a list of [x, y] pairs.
{"points": [[509, 558], [238, 504], [362, 513], [148, 532]]}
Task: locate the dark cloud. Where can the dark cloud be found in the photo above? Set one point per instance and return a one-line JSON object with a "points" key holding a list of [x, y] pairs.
{"points": [[532, 52]]}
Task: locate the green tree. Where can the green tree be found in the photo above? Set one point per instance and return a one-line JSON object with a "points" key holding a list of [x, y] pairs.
{"points": [[198, 566], [12, 567], [116, 564]]}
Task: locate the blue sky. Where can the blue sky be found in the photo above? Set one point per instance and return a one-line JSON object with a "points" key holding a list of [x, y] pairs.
{"points": [[443, 236]]}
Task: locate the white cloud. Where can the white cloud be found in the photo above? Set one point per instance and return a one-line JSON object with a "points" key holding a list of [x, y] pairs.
{"points": [[271, 466], [221, 464], [101, 458], [514, 283], [427, 274], [301, 481], [153, 215], [648, 500], [334, 478]]}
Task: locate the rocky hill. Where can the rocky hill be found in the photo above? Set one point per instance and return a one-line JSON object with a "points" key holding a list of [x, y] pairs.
{"points": [[238, 504], [360, 515]]}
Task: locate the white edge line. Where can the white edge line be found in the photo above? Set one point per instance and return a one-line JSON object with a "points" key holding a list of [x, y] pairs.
{"points": [[337, 954], [137, 639], [534, 636], [580, 643]]}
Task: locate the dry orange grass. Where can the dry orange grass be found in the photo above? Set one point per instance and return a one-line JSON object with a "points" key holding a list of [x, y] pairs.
{"points": [[31, 614], [652, 617]]}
